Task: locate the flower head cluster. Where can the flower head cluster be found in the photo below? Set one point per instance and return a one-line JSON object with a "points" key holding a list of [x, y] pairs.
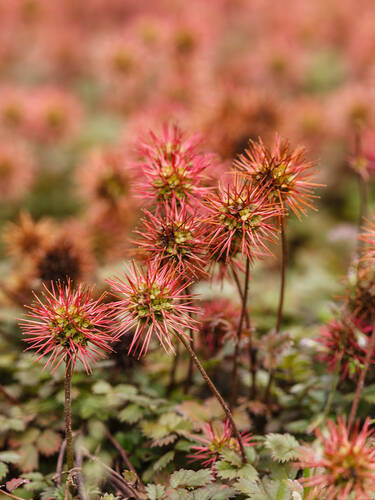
{"points": [[25, 237], [152, 302], [368, 237], [16, 170], [360, 296], [174, 238], [341, 343], [68, 325], [173, 167], [345, 465], [286, 172], [217, 437], [240, 220], [104, 178]]}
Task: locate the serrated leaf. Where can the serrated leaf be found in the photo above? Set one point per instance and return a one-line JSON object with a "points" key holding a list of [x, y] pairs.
{"points": [[10, 457], [164, 441], [3, 470], [231, 456], [101, 387], [28, 458], [225, 470], [247, 487], [154, 430], [247, 471], [15, 483], [215, 492], [49, 442], [129, 476], [155, 491], [164, 460], [190, 478], [131, 414], [283, 447]]}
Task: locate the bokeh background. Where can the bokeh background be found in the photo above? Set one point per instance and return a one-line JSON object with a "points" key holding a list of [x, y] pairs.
{"points": [[78, 77]]}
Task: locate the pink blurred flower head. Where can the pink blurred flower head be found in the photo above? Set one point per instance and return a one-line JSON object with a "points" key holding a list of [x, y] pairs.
{"points": [[217, 437], [345, 465], [67, 324], [152, 302], [17, 170], [340, 341], [240, 220], [368, 237], [55, 115], [173, 167], [287, 173], [218, 321], [104, 178], [174, 238]]}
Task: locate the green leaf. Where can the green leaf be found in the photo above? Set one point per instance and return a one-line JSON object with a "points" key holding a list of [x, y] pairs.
{"points": [[10, 457], [131, 414], [231, 456], [215, 492], [3, 470], [226, 470], [283, 447], [164, 460], [190, 479], [247, 472], [101, 387], [28, 458], [247, 487], [155, 491]]}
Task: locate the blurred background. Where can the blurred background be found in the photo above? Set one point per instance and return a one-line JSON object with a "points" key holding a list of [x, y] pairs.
{"points": [[80, 81]]}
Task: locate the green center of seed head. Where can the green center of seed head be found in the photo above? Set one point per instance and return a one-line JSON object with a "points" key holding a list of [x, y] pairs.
{"points": [[278, 176], [172, 180], [151, 301], [67, 325], [237, 214], [180, 236]]}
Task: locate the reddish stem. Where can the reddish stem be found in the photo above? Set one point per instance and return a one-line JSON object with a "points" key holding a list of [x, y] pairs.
{"points": [[238, 337], [216, 394]]}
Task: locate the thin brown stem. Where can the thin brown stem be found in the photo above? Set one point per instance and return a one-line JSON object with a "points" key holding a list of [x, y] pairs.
{"points": [[335, 380], [60, 462], [81, 485], [172, 379], [7, 394], [129, 489], [216, 394], [189, 377], [10, 495], [284, 260], [125, 458], [362, 377], [239, 335], [68, 415], [251, 350]]}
